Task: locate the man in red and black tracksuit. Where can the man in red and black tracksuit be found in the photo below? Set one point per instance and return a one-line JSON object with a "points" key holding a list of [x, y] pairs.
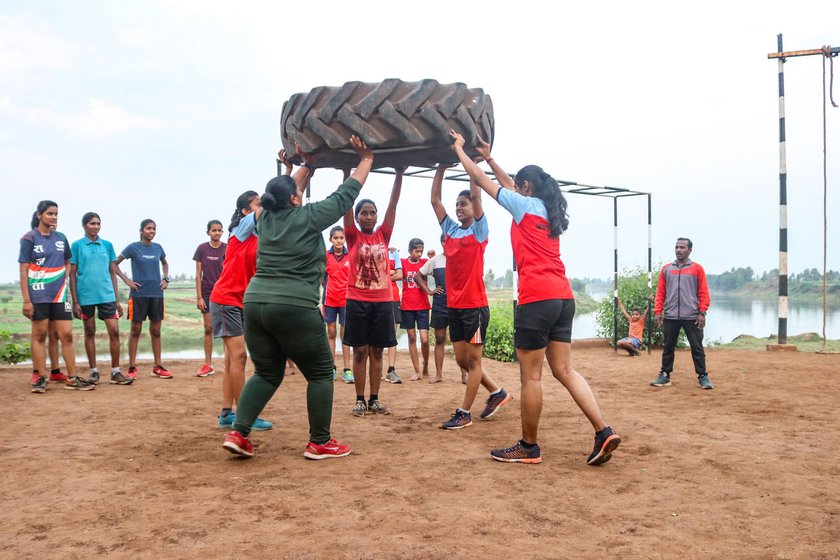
{"points": [[682, 297]]}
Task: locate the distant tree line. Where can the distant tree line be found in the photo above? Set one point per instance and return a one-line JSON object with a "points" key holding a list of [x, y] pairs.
{"points": [[740, 279]]}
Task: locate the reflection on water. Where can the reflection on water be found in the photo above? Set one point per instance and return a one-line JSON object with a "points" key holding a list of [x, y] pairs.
{"points": [[731, 316]]}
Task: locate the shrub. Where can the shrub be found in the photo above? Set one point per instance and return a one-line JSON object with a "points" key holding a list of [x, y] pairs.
{"points": [[498, 344], [12, 352]]}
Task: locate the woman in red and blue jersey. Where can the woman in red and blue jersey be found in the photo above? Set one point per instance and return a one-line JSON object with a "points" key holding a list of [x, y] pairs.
{"points": [[335, 297], [466, 298], [546, 304]]}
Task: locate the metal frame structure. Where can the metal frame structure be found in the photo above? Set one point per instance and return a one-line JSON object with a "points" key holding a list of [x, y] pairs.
{"points": [[571, 187]]}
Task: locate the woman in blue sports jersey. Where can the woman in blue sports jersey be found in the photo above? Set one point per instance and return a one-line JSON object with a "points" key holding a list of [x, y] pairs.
{"points": [[44, 259], [546, 304]]}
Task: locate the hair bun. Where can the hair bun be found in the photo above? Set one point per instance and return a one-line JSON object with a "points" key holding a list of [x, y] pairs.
{"points": [[268, 201]]}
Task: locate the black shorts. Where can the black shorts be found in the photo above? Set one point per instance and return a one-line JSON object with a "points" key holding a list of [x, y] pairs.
{"points": [[105, 310], [468, 324], [397, 312], [331, 314], [440, 318], [420, 318], [142, 308], [52, 311], [369, 323], [227, 320], [537, 323]]}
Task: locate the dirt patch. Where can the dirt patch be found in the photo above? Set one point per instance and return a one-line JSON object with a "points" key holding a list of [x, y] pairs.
{"points": [[749, 470]]}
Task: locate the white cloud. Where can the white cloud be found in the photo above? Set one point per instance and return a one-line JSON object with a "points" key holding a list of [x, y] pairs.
{"points": [[99, 120]]}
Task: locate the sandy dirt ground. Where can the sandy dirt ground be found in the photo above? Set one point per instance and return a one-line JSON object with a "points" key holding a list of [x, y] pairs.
{"points": [[748, 470]]}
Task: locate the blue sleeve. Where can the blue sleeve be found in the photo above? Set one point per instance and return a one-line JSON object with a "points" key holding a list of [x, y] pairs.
{"points": [[448, 225], [513, 202], [68, 252], [246, 226], [480, 229], [128, 252], [397, 260], [162, 252], [26, 245], [75, 259], [111, 255]]}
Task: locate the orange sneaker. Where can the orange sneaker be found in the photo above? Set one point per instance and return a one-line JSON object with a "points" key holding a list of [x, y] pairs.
{"points": [[205, 370], [328, 450], [162, 372]]}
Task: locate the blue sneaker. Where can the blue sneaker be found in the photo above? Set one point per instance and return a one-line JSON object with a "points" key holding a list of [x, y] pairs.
{"points": [[226, 422], [260, 425], [458, 421], [335, 373], [347, 376], [494, 403], [518, 453]]}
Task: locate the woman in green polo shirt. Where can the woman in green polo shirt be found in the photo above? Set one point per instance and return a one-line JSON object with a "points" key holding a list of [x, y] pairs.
{"points": [[282, 319]]}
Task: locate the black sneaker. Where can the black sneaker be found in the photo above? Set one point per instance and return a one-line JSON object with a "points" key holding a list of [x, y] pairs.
{"points": [[93, 378], [664, 380], [518, 453], [39, 383], [606, 441], [117, 378], [704, 382], [459, 420], [76, 383]]}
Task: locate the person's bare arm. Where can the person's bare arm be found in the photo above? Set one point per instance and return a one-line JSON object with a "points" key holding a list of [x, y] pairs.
{"points": [[199, 301], [28, 308], [281, 155], [113, 269], [365, 159], [483, 149], [420, 280], [128, 281], [391, 212], [437, 187], [475, 198], [473, 170], [163, 283], [304, 174], [623, 311], [77, 309]]}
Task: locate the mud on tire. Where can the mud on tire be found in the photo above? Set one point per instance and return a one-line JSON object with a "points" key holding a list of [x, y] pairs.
{"points": [[405, 123]]}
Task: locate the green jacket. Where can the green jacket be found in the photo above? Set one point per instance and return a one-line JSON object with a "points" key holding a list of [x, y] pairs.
{"points": [[291, 256]]}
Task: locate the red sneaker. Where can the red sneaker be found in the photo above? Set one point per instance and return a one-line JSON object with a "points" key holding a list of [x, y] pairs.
{"points": [[238, 444], [329, 450], [131, 373], [162, 372], [58, 376], [205, 370]]}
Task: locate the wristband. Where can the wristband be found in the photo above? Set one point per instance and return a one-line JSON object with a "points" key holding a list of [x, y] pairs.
{"points": [[165, 279]]}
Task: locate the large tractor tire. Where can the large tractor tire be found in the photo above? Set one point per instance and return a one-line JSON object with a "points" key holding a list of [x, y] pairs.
{"points": [[404, 123]]}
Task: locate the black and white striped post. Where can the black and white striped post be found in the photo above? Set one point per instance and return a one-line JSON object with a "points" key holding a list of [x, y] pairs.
{"points": [[650, 272], [783, 225]]}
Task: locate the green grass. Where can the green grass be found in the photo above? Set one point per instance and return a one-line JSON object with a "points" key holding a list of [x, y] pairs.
{"points": [[804, 343]]}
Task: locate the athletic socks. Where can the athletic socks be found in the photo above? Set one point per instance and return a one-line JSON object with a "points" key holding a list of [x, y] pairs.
{"points": [[360, 398], [372, 398], [115, 370], [496, 392], [526, 445]]}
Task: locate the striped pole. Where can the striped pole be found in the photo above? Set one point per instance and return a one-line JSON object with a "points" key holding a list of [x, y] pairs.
{"points": [[615, 273], [650, 272], [783, 226]]}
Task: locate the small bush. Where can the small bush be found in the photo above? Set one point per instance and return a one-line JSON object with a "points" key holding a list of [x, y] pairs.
{"points": [[12, 352], [498, 345]]}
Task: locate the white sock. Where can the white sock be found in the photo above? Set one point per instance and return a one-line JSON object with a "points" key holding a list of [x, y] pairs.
{"points": [[496, 392], [115, 370]]}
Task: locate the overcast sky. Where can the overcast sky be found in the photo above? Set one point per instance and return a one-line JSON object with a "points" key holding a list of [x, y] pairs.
{"points": [[170, 110]]}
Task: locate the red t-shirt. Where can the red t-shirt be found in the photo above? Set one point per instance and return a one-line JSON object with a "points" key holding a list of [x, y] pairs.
{"points": [[464, 248], [413, 298], [338, 272], [542, 275], [239, 267], [370, 279]]}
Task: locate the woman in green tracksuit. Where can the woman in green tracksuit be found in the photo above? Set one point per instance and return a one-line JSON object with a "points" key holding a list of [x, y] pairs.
{"points": [[282, 319]]}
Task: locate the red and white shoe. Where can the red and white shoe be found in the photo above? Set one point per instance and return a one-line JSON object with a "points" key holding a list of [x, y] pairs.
{"points": [[131, 373], [60, 376], [238, 444], [205, 370], [162, 372], [329, 450]]}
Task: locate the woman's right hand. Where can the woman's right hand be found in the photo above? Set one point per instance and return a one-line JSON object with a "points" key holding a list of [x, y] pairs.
{"points": [[361, 148], [458, 140], [28, 309], [200, 304], [77, 311], [483, 149]]}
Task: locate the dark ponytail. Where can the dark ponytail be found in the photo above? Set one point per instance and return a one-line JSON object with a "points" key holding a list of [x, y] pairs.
{"points": [[40, 209], [277, 193], [244, 201], [547, 190]]}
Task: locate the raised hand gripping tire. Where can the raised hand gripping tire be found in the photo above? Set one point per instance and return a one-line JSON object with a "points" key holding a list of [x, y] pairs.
{"points": [[404, 123]]}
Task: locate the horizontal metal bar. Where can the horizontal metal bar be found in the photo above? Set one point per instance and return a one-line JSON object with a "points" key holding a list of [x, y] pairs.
{"points": [[834, 51]]}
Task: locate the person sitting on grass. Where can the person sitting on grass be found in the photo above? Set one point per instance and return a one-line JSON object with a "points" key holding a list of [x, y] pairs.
{"points": [[636, 321]]}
